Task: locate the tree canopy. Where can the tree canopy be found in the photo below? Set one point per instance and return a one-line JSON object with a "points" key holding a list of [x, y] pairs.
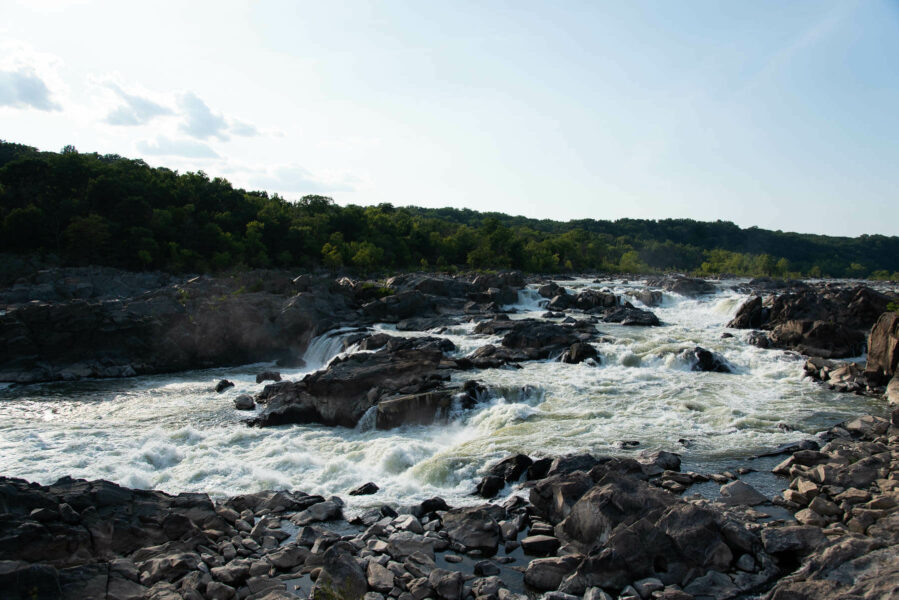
{"points": [[87, 208]]}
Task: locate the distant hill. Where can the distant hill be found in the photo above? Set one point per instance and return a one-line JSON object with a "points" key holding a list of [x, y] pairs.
{"points": [[87, 208]]}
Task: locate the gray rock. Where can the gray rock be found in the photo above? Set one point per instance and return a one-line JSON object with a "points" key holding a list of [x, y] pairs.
{"points": [[738, 492]]}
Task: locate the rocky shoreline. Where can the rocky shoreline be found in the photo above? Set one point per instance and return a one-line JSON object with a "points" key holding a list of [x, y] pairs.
{"points": [[581, 527], [576, 526]]}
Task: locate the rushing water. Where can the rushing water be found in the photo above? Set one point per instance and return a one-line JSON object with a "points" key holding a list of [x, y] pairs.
{"points": [[174, 433]]}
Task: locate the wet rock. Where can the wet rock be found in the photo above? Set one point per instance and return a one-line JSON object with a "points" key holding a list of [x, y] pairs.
{"points": [[704, 360], [379, 578], [223, 385], [579, 352], [268, 376], [365, 489], [490, 486], [346, 389], [551, 290], [628, 315], [244, 402], [685, 286], [414, 409], [403, 544], [750, 315]]}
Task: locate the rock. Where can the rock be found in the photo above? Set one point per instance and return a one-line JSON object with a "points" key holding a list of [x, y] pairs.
{"points": [[268, 376], [341, 576], [750, 315], [448, 585], [540, 336], [474, 528], [288, 557], [628, 315], [219, 591], [322, 511], [346, 389], [365, 489], [798, 540], [547, 573], [551, 290], [648, 297], [244, 402], [685, 286], [403, 544], [540, 545], [892, 395], [414, 409], [554, 496], [579, 352], [490, 486], [704, 360], [486, 568], [223, 385], [738, 492], [883, 349], [379, 578], [656, 462]]}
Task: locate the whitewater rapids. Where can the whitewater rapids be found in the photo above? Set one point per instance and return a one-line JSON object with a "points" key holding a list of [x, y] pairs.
{"points": [[174, 433]]}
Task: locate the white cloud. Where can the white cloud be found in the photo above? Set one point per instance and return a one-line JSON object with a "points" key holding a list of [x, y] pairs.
{"points": [[294, 179], [23, 88], [243, 129], [164, 146], [199, 121], [136, 110]]}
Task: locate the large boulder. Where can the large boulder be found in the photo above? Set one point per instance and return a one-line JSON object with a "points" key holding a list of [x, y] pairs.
{"points": [[474, 528], [348, 387], [883, 349], [750, 315], [341, 577], [818, 338]]}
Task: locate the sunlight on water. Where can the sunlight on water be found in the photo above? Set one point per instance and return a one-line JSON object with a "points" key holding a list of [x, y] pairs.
{"points": [[175, 433]]}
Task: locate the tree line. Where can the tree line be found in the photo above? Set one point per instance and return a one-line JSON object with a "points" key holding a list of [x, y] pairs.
{"points": [[86, 208]]}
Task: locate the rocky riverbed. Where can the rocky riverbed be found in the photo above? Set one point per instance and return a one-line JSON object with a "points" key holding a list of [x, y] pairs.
{"points": [[543, 467]]}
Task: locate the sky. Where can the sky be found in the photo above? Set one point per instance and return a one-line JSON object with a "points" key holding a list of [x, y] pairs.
{"points": [[780, 115]]}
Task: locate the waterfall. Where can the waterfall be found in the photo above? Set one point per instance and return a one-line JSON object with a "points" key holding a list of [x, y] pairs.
{"points": [[368, 421]]}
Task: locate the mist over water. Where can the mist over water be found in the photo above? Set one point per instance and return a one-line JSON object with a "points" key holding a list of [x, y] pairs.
{"points": [[174, 433]]}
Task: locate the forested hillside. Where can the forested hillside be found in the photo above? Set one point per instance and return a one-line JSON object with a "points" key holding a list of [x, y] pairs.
{"points": [[82, 208]]}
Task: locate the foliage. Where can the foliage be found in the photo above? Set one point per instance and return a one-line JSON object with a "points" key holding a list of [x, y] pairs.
{"points": [[106, 209]]}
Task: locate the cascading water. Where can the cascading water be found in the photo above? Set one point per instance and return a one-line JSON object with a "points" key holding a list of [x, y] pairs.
{"points": [[174, 433]]}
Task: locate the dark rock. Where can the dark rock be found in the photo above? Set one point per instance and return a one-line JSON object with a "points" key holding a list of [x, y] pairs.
{"points": [[341, 575], [685, 286], [268, 376], [540, 545], [579, 352], [547, 573], [223, 385], [628, 315], [648, 297], [709, 361], [364, 490], [244, 402], [474, 528], [414, 409], [883, 349], [490, 486], [750, 315], [551, 290]]}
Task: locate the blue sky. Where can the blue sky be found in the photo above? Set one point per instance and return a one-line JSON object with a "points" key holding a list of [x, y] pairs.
{"points": [[781, 115]]}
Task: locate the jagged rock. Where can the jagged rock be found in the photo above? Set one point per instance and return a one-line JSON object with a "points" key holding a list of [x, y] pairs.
{"points": [[346, 389], [322, 511], [750, 315], [540, 545], [551, 290], [223, 385], [883, 349], [579, 352], [365, 489], [268, 376], [738, 492], [708, 361], [628, 315], [548, 573], [341, 576], [474, 528]]}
